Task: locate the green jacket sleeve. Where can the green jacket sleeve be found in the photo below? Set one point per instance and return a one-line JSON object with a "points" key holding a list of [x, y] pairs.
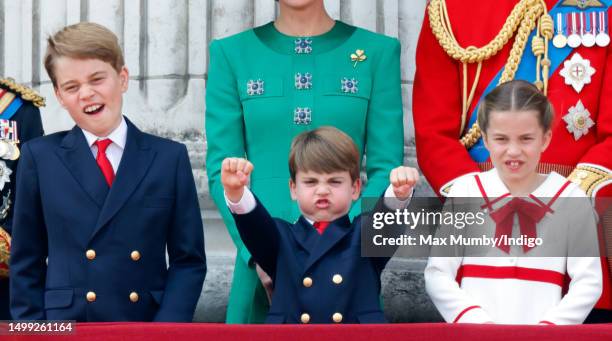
{"points": [[384, 140], [224, 133]]}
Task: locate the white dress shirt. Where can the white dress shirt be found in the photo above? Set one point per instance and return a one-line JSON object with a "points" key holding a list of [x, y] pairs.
{"points": [[114, 152]]}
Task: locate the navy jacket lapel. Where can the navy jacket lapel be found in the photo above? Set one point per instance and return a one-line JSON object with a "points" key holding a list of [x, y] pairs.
{"points": [[135, 161], [76, 155], [332, 235], [305, 235]]}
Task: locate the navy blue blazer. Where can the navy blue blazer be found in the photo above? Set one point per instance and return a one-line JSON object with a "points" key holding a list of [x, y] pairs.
{"points": [[106, 248], [315, 276]]}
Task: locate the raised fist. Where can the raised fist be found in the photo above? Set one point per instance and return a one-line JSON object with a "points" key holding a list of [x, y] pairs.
{"points": [[235, 174], [403, 180]]}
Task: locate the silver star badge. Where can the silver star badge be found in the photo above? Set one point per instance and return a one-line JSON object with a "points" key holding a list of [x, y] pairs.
{"points": [[578, 120], [577, 72]]}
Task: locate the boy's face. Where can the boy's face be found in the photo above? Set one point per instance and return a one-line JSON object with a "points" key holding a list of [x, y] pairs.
{"points": [[324, 196], [515, 141], [92, 92]]}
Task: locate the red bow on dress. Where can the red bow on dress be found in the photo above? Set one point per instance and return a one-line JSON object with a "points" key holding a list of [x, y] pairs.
{"points": [[529, 215]]}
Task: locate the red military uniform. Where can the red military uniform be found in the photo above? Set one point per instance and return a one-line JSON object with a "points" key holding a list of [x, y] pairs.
{"points": [[437, 106]]}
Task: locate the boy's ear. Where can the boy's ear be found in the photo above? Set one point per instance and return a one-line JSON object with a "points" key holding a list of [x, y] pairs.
{"points": [[124, 78], [356, 189], [58, 96], [547, 139], [292, 190]]}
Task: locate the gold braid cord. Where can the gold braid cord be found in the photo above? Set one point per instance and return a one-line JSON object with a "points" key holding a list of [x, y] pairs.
{"points": [[23, 91], [519, 24]]}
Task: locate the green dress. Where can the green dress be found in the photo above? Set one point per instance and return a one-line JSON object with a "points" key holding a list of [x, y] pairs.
{"points": [[264, 88]]}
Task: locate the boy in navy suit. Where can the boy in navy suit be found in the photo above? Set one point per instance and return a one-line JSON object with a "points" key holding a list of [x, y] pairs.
{"points": [[318, 273], [98, 206]]}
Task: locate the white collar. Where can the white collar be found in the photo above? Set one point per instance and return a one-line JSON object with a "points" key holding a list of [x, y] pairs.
{"points": [[495, 187], [118, 136]]}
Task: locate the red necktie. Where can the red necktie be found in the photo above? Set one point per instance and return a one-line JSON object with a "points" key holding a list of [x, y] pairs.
{"points": [[321, 226], [529, 215], [102, 160]]}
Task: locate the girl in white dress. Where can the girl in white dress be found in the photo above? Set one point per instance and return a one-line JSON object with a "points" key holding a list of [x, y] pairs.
{"points": [[520, 284]]}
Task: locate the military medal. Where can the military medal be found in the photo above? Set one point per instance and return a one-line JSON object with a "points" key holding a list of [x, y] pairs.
{"points": [[588, 35], [573, 40], [582, 4], [8, 130], [560, 40], [5, 174], [4, 148], [578, 120], [602, 39], [13, 153], [9, 140], [577, 72]]}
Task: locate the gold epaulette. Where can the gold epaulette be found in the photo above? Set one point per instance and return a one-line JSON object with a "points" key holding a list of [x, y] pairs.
{"points": [[5, 252], [24, 92], [589, 178]]}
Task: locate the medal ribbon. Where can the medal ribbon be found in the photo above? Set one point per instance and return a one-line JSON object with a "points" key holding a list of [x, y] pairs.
{"points": [[603, 25], [574, 23], [559, 23], [8, 130]]}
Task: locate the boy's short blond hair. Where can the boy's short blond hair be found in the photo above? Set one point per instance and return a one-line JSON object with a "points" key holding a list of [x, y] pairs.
{"points": [[85, 40], [324, 150]]}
